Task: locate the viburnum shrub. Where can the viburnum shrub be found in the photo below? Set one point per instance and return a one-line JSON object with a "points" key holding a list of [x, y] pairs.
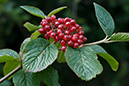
{"points": [[63, 40]]}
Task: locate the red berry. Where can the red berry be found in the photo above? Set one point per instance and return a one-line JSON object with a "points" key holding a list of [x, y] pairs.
{"points": [[63, 48], [61, 26], [53, 35], [47, 36], [70, 36], [75, 45], [80, 32], [67, 24], [67, 32], [56, 39], [84, 39], [49, 19], [70, 43], [66, 37], [44, 23], [61, 35], [80, 28], [74, 38], [42, 30], [77, 26], [76, 35], [67, 19], [53, 17], [60, 20], [56, 23], [79, 41], [80, 37], [63, 42], [47, 27], [73, 28], [73, 22], [59, 31], [49, 32]]}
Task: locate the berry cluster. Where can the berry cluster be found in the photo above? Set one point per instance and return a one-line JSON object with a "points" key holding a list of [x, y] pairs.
{"points": [[64, 29]]}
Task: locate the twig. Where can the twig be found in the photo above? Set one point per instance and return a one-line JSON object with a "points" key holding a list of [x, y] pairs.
{"points": [[10, 74]]}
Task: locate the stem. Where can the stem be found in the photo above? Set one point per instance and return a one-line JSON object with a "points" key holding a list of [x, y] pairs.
{"points": [[10, 74], [97, 42]]}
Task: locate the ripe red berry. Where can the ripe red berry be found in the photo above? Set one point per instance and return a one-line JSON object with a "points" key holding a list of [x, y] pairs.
{"points": [[60, 20], [63, 42], [80, 28], [84, 39], [73, 29], [53, 35], [56, 23], [44, 23], [79, 41], [49, 19], [56, 39], [80, 32], [61, 35], [49, 32], [77, 26], [61, 26], [73, 22], [80, 37], [47, 27], [42, 30], [67, 24], [59, 31], [53, 17], [70, 43], [76, 35], [75, 45], [63, 48], [47, 36], [66, 37], [74, 38], [67, 32], [67, 19]]}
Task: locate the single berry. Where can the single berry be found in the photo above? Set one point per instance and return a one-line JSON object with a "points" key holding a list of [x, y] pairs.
{"points": [[42, 30], [60, 20], [73, 22], [44, 23], [61, 26], [80, 37], [63, 48], [77, 26], [59, 31], [56, 23], [80, 32], [49, 32], [66, 37], [61, 35], [56, 39], [49, 19], [63, 42], [67, 24], [80, 28], [70, 36], [74, 38], [53, 17], [75, 45], [70, 43], [84, 39], [76, 35], [67, 19], [79, 41], [47, 36], [47, 27], [53, 35], [67, 32], [73, 29]]}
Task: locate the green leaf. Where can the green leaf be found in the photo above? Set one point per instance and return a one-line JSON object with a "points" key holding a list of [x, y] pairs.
{"points": [[26, 79], [39, 55], [56, 11], [10, 66], [101, 52], [31, 27], [49, 76], [35, 34], [61, 57], [83, 62], [34, 11], [7, 55], [105, 19], [120, 37]]}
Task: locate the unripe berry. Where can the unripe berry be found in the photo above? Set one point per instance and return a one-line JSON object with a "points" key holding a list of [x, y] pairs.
{"points": [[63, 48], [75, 45], [70, 43], [42, 30], [63, 42]]}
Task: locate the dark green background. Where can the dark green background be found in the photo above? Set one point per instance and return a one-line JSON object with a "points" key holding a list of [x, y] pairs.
{"points": [[12, 33]]}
